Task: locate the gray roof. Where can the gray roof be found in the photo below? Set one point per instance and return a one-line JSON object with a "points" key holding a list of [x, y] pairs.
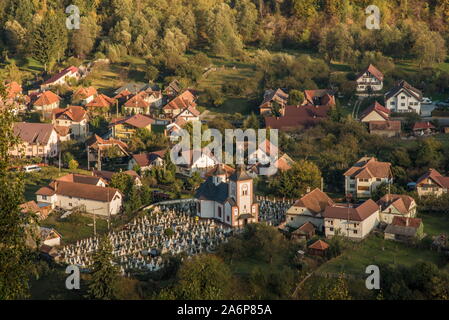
{"points": [[240, 174], [33, 133], [407, 88], [401, 230], [209, 191], [135, 87]]}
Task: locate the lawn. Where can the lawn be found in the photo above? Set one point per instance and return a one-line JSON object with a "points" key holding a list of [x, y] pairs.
{"points": [[35, 180], [434, 224], [375, 250], [75, 227]]}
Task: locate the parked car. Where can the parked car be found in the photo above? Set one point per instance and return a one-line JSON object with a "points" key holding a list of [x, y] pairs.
{"points": [[426, 100], [32, 168]]}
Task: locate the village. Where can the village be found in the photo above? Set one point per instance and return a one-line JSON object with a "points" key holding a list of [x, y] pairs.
{"points": [[224, 150], [221, 199]]}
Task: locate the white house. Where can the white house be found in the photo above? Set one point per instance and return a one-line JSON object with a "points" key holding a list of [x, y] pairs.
{"points": [[61, 77], [146, 161], [375, 112], [50, 237], [100, 200], [74, 117], [36, 140], [309, 208], [404, 98], [396, 205], [351, 221], [366, 175], [228, 200], [370, 80]]}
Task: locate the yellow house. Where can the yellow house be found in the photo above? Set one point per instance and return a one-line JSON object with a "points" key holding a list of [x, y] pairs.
{"points": [[125, 128]]}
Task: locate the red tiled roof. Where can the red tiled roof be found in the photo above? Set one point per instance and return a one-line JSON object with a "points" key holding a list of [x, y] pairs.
{"points": [[137, 102], [374, 71], [401, 202], [274, 95], [13, 89], [33, 133], [145, 159], [80, 178], [101, 101], [79, 190], [406, 222], [369, 167], [358, 213], [46, 98], [61, 74], [62, 131], [137, 121], [378, 108], [323, 96], [319, 245], [423, 125], [316, 201], [74, 113], [435, 176], [184, 100], [296, 116], [83, 93]]}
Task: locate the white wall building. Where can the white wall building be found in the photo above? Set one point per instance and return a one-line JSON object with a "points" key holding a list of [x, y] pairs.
{"points": [[404, 98]]}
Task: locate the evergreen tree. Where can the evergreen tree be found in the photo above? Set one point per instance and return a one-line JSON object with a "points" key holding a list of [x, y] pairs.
{"points": [[103, 285], [14, 255]]}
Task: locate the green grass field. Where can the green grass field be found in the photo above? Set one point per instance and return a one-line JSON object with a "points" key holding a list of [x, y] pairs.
{"points": [[434, 224], [375, 250]]}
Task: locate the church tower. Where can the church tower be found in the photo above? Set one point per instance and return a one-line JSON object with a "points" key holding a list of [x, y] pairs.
{"points": [[241, 190]]}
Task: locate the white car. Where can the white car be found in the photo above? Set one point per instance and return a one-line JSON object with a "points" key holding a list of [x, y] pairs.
{"points": [[32, 168], [426, 100]]}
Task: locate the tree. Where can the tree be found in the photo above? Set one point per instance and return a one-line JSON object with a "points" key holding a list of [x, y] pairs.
{"points": [[15, 260], [73, 164], [194, 181], [333, 289], [203, 277], [294, 183], [83, 40], [295, 97], [122, 181], [251, 122], [103, 285], [49, 39], [429, 48]]}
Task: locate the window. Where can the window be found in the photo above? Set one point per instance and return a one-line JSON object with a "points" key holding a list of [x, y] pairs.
{"points": [[227, 218], [354, 231], [219, 212], [378, 179], [403, 104], [291, 218], [44, 197], [402, 98], [331, 229], [244, 190], [70, 204]]}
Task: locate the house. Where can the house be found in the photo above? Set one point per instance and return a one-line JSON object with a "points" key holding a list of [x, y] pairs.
{"points": [[101, 104], [423, 128], [153, 97], [50, 237], [396, 205], [37, 140], [351, 221], [297, 117], [32, 207], [404, 98], [49, 253], [107, 176], [318, 248], [98, 146], [228, 200], [126, 128], [309, 208], [189, 114], [269, 98], [306, 231], [46, 102], [84, 179], [61, 77], [173, 129], [173, 89], [146, 161], [404, 229], [319, 98], [369, 80], [375, 112], [133, 88], [188, 162], [63, 133], [84, 95], [366, 175], [66, 195], [432, 183], [137, 105], [184, 100], [220, 169], [73, 117], [388, 129]]}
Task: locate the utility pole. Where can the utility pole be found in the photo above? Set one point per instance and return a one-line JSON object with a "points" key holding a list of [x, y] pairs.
{"points": [[99, 159], [88, 160], [59, 161]]}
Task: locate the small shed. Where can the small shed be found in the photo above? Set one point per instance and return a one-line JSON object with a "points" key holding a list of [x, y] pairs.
{"points": [[306, 231], [318, 248], [404, 229]]}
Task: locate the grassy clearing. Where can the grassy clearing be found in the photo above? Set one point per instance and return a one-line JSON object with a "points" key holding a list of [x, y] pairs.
{"points": [[75, 227], [375, 250], [35, 180], [434, 224]]}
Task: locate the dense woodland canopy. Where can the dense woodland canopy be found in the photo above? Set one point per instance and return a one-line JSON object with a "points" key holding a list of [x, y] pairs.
{"points": [[165, 30]]}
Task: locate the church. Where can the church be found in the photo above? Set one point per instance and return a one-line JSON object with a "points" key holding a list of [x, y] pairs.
{"points": [[228, 198]]}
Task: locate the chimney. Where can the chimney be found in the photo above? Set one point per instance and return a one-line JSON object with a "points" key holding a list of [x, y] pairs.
{"points": [[406, 222], [56, 186]]}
